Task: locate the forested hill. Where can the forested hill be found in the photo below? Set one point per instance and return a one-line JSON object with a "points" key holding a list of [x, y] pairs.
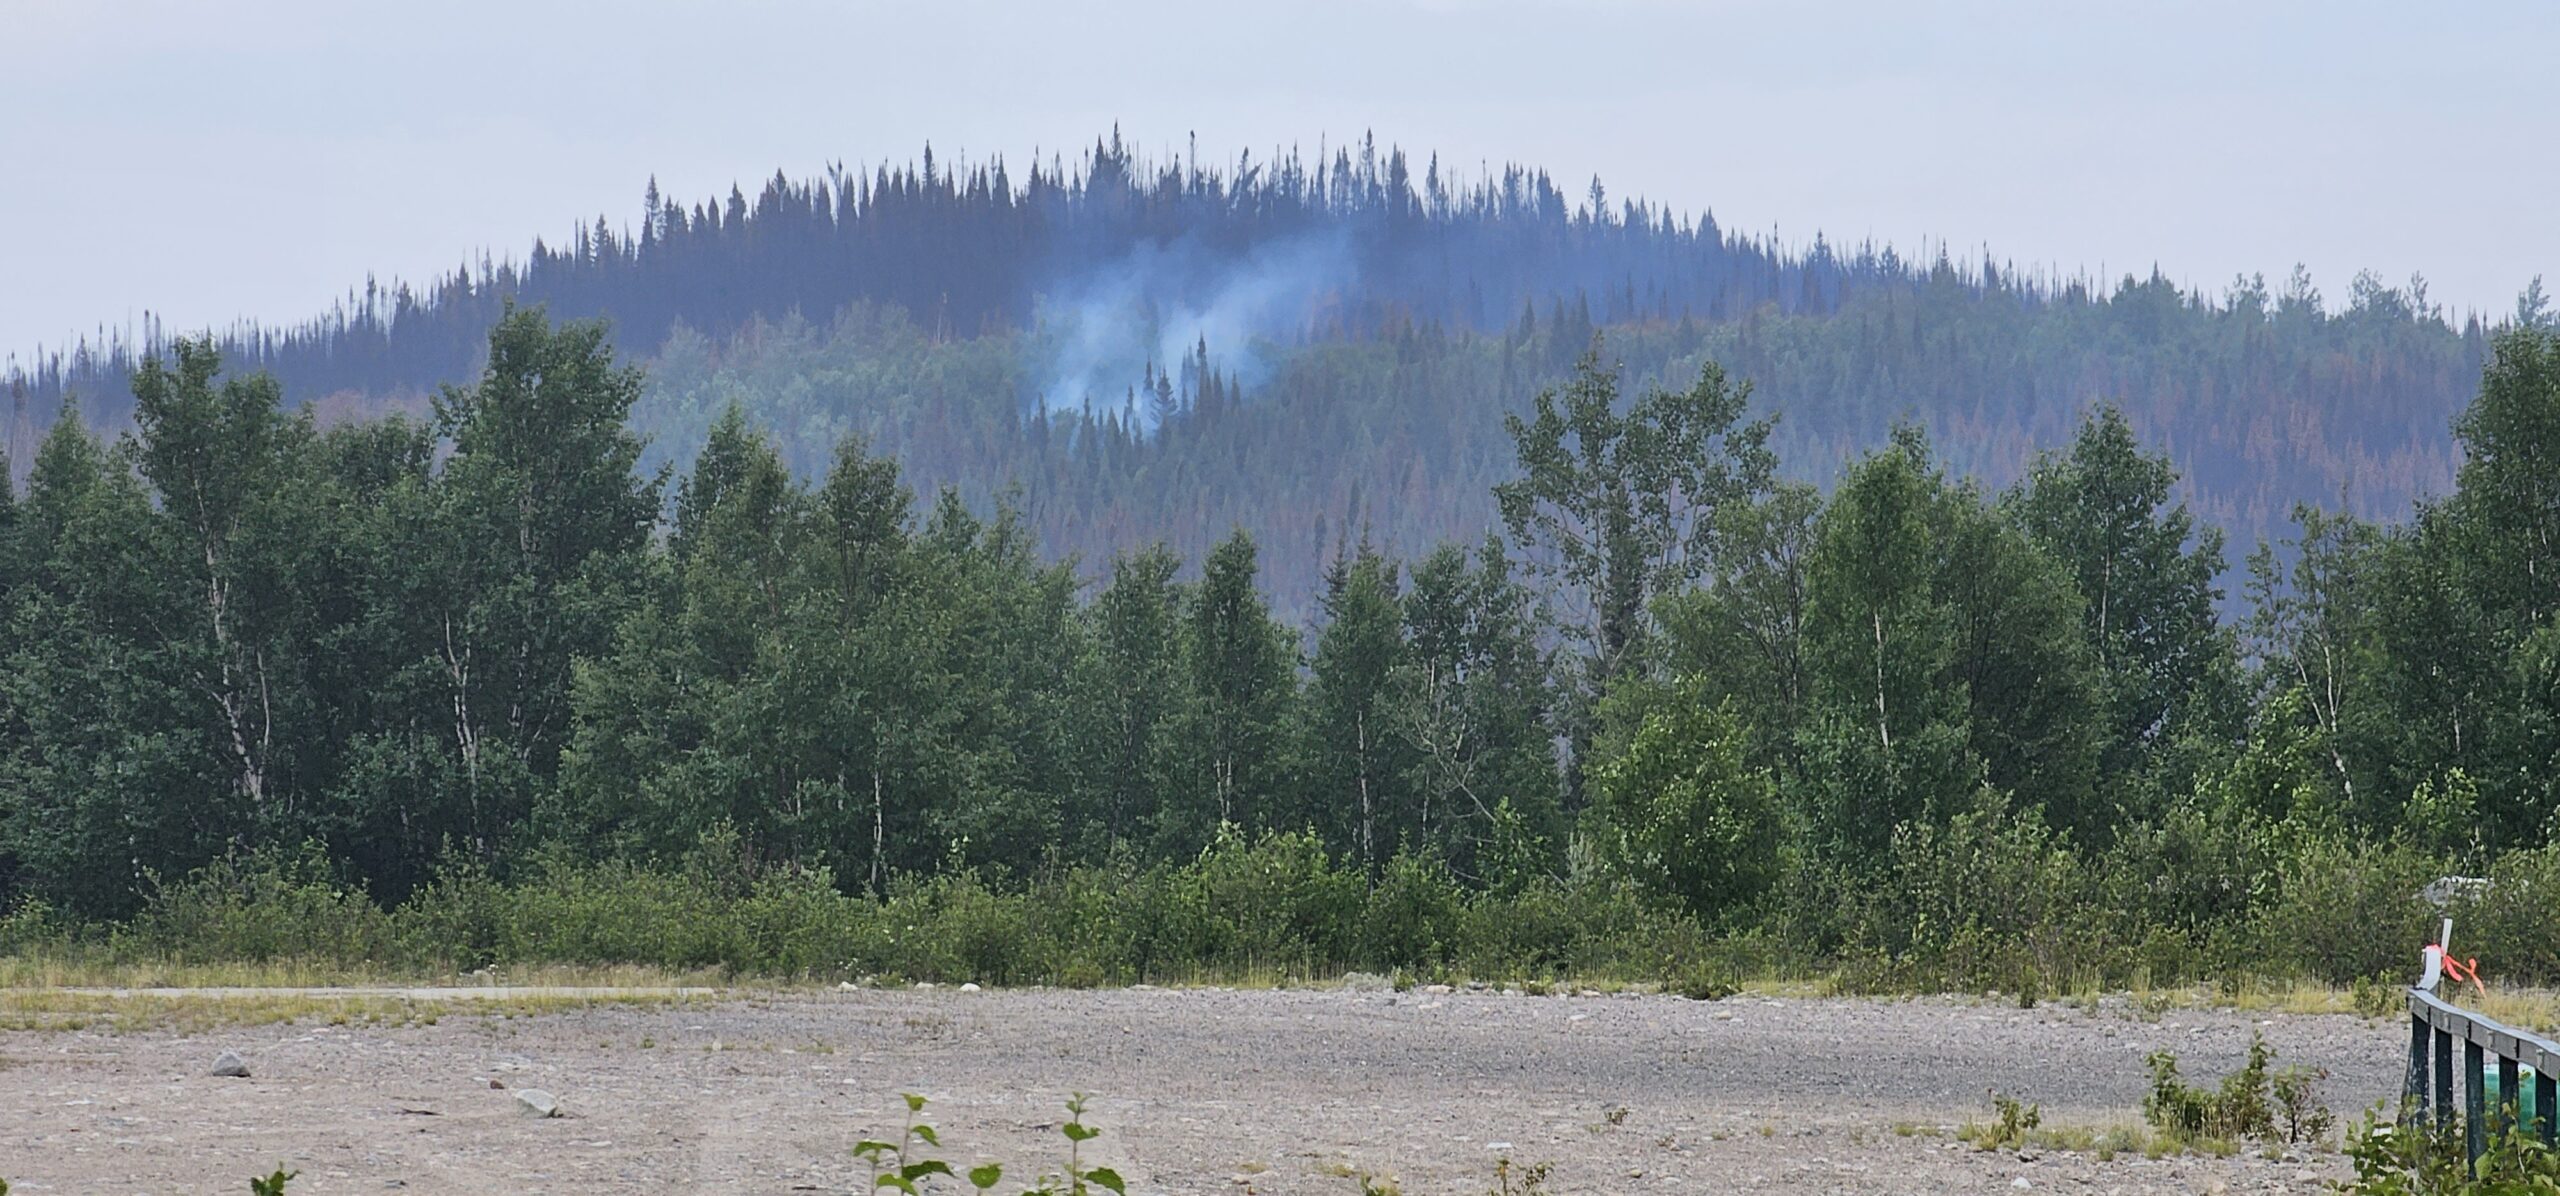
{"points": [[1313, 347]]}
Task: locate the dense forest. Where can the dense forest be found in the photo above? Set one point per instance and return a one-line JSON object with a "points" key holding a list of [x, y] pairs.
{"points": [[1320, 348], [1923, 728]]}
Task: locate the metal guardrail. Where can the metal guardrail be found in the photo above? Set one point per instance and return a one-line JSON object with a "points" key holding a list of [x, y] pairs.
{"points": [[2435, 1026]]}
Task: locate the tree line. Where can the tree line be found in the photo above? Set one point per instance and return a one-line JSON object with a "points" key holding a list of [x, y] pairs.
{"points": [[471, 643], [924, 305]]}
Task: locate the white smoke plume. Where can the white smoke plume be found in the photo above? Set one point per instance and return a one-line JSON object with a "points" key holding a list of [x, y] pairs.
{"points": [[1107, 328]]}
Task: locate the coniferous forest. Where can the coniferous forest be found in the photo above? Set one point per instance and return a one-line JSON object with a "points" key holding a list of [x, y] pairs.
{"points": [[1556, 645], [1319, 346]]}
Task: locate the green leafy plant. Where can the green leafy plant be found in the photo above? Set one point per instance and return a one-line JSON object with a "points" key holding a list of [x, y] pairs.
{"points": [[2375, 997], [2245, 1105], [2297, 1099], [1079, 1180], [2014, 1121], [896, 1164], [905, 1164], [1511, 1180], [2418, 1156], [272, 1185]]}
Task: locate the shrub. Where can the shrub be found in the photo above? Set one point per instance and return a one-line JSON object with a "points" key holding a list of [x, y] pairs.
{"points": [[1682, 812], [33, 927], [2297, 1090], [1935, 908], [263, 906], [2012, 1123], [2344, 909], [2419, 1156], [1413, 915], [2245, 1105], [2515, 922]]}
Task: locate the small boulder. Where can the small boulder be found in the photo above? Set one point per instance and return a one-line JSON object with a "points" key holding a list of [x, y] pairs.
{"points": [[534, 1102], [229, 1064], [970, 987]]}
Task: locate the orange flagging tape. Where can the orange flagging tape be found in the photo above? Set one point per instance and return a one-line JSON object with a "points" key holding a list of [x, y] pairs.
{"points": [[2461, 969]]}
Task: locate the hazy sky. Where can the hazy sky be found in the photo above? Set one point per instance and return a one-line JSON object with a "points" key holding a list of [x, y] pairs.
{"points": [[208, 161]]}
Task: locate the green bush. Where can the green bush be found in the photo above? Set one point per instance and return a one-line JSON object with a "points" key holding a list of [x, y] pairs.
{"points": [[1683, 814], [1992, 899], [2514, 924], [906, 1164], [2253, 1102], [263, 906], [2415, 1156], [2343, 909], [1413, 916], [32, 927]]}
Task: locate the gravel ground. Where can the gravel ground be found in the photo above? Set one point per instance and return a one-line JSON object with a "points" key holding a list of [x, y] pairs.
{"points": [[1195, 1091]]}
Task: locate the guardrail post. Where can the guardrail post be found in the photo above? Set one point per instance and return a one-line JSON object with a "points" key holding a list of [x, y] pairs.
{"points": [[2510, 1095], [2475, 1100], [2546, 1093], [2413, 1094], [2444, 1077]]}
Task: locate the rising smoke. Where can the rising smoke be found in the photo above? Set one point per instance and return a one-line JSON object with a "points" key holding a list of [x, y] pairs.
{"points": [[1112, 328]]}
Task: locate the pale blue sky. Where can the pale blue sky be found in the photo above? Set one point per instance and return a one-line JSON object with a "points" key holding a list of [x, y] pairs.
{"points": [[207, 161]]}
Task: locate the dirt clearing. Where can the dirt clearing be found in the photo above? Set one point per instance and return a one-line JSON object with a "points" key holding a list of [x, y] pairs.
{"points": [[1195, 1091]]}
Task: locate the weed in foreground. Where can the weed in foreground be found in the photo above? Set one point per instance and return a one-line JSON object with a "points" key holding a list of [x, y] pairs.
{"points": [[2412, 1156], [2014, 1121], [2247, 1104], [1512, 1180], [905, 1163]]}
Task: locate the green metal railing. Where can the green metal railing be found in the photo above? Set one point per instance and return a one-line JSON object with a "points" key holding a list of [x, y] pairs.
{"points": [[2435, 1026]]}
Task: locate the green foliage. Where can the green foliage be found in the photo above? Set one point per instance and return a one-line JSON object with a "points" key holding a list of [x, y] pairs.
{"points": [[2297, 1103], [907, 1163], [1358, 771], [1887, 738], [2146, 576], [2414, 1156], [272, 1185], [2250, 1103], [1616, 502], [1682, 814], [1510, 1179], [2344, 909], [2012, 1122], [2512, 924], [413, 696], [1928, 912]]}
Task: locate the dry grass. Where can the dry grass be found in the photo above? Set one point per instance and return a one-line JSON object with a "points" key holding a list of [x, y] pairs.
{"points": [[2533, 1009], [202, 1010], [41, 972]]}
